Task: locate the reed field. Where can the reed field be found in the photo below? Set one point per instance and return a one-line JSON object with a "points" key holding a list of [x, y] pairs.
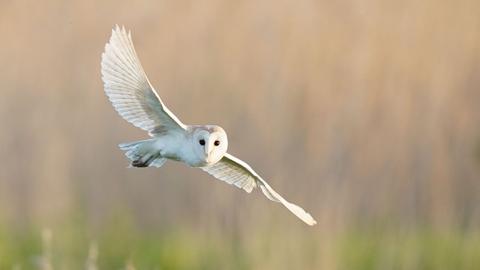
{"points": [[365, 113]]}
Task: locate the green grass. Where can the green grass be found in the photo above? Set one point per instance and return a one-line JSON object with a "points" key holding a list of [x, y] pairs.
{"points": [[120, 244], [418, 249]]}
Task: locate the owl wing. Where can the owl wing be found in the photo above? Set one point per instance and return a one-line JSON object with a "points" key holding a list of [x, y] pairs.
{"points": [[129, 90], [236, 172]]}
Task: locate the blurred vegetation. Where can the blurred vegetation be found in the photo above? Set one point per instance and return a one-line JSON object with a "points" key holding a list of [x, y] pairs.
{"points": [[366, 113], [121, 246]]}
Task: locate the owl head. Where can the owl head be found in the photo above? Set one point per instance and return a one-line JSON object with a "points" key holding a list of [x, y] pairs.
{"points": [[210, 143]]}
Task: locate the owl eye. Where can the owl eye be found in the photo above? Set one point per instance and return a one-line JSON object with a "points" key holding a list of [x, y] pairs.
{"points": [[201, 142], [216, 143]]}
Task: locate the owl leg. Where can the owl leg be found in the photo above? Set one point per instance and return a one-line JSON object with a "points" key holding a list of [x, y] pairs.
{"points": [[145, 161]]}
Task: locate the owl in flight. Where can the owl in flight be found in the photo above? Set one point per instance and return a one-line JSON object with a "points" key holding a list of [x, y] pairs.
{"points": [[201, 146]]}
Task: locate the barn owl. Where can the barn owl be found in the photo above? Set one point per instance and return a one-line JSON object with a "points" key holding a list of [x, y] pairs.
{"points": [[200, 146]]}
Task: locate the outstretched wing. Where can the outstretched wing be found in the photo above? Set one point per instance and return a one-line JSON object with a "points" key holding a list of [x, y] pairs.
{"points": [[129, 90], [236, 172]]}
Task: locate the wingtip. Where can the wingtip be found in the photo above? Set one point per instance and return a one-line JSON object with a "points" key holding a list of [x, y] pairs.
{"points": [[119, 29], [308, 219], [303, 215], [114, 29], [119, 32], [311, 221]]}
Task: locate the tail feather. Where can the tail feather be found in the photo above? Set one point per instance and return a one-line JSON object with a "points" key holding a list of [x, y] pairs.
{"points": [[142, 154]]}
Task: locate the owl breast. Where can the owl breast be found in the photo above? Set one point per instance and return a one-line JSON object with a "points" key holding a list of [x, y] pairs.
{"points": [[178, 147]]}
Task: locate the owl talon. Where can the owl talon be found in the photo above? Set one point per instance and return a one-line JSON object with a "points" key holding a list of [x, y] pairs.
{"points": [[139, 164]]}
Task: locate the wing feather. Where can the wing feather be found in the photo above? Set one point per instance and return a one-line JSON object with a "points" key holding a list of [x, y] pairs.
{"points": [[128, 88], [236, 172]]}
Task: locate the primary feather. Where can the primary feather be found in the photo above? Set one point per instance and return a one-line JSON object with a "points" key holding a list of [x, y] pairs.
{"points": [[236, 172], [128, 88]]}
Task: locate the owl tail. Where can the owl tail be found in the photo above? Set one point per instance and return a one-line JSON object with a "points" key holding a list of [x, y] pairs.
{"points": [[142, 154]]}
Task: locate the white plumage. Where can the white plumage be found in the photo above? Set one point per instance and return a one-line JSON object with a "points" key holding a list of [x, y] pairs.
{"points": [[205, 147]]}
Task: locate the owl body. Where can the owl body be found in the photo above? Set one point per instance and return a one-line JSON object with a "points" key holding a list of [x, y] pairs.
{"points": [[196, 146]]}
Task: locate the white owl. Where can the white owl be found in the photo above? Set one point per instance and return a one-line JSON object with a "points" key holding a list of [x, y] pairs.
{"points": [[205, 147]]}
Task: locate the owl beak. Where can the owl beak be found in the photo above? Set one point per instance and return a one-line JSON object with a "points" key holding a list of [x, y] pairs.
{"points": [[208, 149]]}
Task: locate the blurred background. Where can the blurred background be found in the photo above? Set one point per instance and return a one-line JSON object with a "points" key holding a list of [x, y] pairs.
{"points": [[365, 113]]}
